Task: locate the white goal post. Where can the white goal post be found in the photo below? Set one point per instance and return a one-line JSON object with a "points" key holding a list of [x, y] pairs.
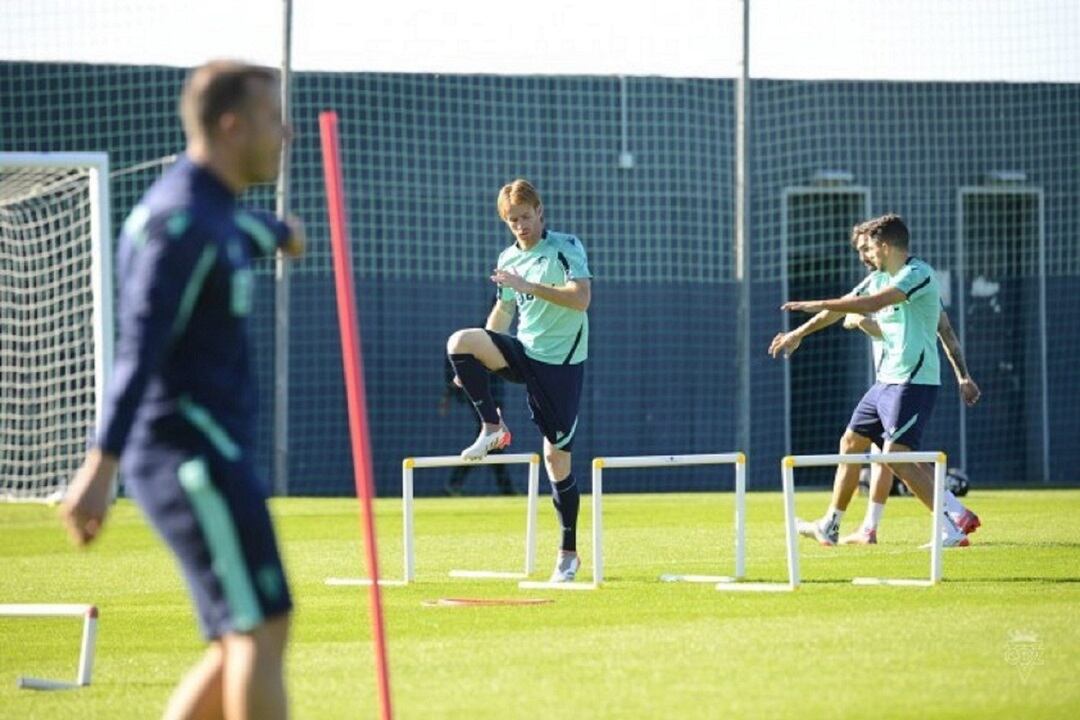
{"points": [[56, 330]]}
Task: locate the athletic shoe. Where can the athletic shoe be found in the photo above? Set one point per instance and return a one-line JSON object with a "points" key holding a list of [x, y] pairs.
{"points": [[566, 567], [862, 536], [951, 535], [486, 442], [968, 522], [813, 530]]}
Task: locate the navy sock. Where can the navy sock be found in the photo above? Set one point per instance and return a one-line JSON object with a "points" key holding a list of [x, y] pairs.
{"points": [[477, 384], [567, 499]]}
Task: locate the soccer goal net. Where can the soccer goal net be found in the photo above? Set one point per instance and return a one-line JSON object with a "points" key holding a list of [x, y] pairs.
{"points": [[55, 316]]}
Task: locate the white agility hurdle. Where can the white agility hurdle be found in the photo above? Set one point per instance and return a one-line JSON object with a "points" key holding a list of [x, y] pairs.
{"points": [[937, 458], [89, 614], [599, 464], [408, 465]]}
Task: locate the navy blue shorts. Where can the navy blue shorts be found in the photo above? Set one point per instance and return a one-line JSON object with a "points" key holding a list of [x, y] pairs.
{"points": [[211, 511], [554, 391], [894, 412]]}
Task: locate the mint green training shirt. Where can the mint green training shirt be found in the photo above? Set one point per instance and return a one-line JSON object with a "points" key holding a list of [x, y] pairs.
{"points": [[909, 329], [550, 333]]}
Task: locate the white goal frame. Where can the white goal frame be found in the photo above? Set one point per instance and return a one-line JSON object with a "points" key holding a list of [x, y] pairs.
{"points": [[97, 166]]}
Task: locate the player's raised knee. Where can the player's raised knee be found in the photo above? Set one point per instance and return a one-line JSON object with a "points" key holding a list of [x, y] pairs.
{"points": [[461, 342]]}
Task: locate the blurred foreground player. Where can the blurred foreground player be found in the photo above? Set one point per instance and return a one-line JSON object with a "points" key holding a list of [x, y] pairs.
{"points": [[180, 409]]}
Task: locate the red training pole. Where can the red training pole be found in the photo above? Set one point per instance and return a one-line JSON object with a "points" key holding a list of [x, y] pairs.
{"points": [[353, 362]]}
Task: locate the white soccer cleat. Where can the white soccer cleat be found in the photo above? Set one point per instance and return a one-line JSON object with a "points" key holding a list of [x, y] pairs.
{"points": [[486, 442], [566, 567], [862, 536], [814, 530], [951, 535], [968, 522]]}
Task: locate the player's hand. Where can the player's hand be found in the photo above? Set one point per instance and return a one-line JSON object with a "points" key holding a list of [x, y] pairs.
{"points": [[969, 391], [806, 306], [784, 342], [852, 321], [296, 242], [87, 500], [510, 279]]}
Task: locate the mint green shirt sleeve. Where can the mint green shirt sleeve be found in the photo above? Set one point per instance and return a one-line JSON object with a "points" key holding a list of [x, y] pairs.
{"points": [[863, 288], [911, 278], [574, 252]]}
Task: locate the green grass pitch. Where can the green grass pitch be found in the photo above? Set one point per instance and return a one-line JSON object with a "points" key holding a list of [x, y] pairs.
{"points": [[1000, 638]]}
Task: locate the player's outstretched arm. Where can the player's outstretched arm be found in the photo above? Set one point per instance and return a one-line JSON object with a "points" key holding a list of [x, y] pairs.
{"points": [[575, 294], [863, 304], [969, 391], [87, 499], [854, 321], [787, 343]]}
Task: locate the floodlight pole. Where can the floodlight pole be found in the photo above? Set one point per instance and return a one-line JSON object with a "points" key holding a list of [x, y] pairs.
{"points": [[742, 250], [280, 468]]}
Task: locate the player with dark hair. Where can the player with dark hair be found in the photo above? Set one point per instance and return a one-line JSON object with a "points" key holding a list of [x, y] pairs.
{"points": [[904, 298], [881, 478]]}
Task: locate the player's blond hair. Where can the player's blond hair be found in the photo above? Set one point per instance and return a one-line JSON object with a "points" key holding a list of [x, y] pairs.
{"points": [[518, 192], [216, 88]]}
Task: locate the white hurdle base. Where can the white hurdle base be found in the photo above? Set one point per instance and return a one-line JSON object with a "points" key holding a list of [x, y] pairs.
{"points": [[89, 614], [892, 582], [442, 461], [29, 683], [698, 578], [756, 587], [540, 585]]}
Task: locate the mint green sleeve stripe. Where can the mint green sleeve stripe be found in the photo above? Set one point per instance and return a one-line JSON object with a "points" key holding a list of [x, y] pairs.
{"points": [[201, 418], [262, 235], [194, 285], [224, 543]]}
